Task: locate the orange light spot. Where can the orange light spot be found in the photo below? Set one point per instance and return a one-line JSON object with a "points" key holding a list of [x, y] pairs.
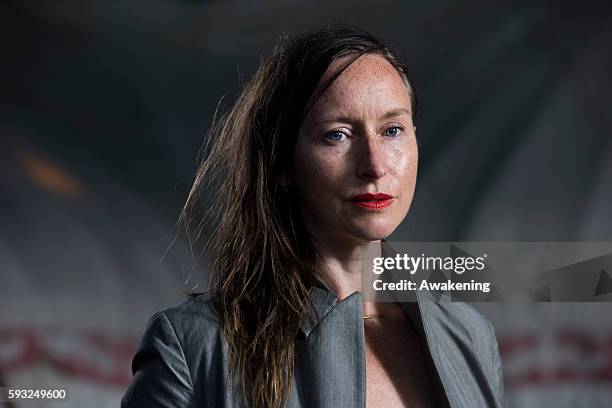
{"points": [[48, 175]]}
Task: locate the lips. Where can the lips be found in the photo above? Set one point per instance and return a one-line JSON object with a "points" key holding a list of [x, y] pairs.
{"points": [[370, 201]]}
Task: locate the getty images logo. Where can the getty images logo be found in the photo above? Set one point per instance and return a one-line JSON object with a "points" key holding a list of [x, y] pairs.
{"points": [[413, 264]]}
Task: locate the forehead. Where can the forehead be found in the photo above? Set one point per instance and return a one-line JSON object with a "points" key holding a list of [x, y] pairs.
{"points": [[369, 83]]}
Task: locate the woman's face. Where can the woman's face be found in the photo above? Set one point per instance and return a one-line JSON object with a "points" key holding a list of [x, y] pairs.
{"points": [[358, 139]]}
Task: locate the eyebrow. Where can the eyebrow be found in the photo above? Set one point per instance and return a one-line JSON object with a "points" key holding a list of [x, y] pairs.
{"points": [[396, 112], [390, 114]]}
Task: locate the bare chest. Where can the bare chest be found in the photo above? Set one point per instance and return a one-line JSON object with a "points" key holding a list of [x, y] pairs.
{"points": [[396, 374]]}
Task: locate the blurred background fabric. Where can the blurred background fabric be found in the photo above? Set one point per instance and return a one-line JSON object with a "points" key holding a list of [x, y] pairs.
{"points": [[104, 106]]}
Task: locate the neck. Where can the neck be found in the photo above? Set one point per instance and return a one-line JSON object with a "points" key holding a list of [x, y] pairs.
{"points": [[341, 263]]}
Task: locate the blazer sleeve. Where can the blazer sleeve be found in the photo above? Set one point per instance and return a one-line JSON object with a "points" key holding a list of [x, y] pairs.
{"points": [[498, 377], [161, 376]]}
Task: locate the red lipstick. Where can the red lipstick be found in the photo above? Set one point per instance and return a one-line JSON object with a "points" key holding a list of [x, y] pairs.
{"points": [[372, 202]]}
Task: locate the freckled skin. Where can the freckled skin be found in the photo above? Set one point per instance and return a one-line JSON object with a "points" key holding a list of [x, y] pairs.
{"points": [[366, 154]]}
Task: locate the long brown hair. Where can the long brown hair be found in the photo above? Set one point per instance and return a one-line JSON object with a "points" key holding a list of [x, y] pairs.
{"points": [[262, 260]]}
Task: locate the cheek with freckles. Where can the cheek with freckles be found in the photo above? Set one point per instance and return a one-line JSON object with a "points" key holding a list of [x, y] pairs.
{"points": [[320, 177], [401, 162]]}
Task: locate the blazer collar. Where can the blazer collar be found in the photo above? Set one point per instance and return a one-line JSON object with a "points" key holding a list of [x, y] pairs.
{"points": [[324, 300]]}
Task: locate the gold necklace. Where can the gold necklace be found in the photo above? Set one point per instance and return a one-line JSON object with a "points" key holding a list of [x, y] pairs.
{"points": [[371, 316]]}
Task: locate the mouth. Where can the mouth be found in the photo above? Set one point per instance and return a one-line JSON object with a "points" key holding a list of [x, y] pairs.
{"points": [[372, 202]]}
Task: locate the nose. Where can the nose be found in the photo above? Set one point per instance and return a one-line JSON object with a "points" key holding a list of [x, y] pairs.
{"points": [[372, 163]]}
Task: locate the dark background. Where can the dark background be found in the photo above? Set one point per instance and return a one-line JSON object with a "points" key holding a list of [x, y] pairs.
{"points": [[104, 106]]}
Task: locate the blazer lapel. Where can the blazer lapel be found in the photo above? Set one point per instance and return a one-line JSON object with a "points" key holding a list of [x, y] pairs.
{"points": [[330, 364], [415, 310], [415, 314]]}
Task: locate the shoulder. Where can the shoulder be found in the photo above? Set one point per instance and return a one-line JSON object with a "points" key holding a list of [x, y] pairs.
{"points": [[179, 344], [195, 324], [185, 321], [190, 331], [196, 315]]}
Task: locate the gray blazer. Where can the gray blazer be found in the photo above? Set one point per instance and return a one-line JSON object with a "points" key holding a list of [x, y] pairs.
{"points": [[181, 360]]}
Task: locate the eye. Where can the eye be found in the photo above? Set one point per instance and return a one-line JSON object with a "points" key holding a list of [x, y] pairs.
{"points": [[394, 131], [335, 135]]}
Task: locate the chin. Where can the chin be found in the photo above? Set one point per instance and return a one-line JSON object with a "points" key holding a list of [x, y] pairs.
{"points": [[375, 227], [375, 232]]}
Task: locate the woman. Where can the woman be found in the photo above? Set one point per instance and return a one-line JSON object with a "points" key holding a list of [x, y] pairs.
{"points": [[315, 163]]}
